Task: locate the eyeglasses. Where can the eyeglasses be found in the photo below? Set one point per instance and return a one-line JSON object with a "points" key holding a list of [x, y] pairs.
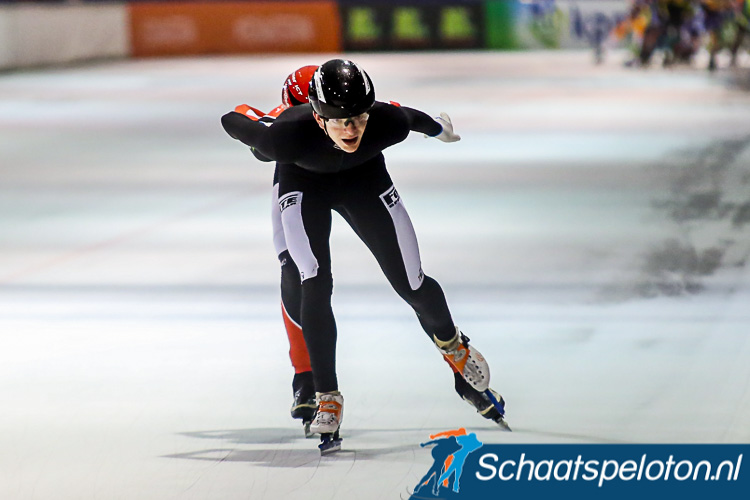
{"points": [[359, 121]]}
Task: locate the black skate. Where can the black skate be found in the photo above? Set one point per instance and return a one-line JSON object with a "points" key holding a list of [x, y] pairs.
{"points": [[304, 410], [304, 406], [489, 403]]}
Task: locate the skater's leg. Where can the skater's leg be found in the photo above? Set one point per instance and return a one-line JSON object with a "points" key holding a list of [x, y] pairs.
{"points": [[303, 390], [376, 213], [291, 290], [291, 302], [303, 387], [306, 219], [379, 217], [319, 330]]}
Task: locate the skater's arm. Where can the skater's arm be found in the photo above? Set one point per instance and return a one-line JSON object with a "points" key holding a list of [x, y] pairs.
{"points": [[257, 115], [421, 122], [244, 129], [259, 136], [440, 127], [258, 155]]}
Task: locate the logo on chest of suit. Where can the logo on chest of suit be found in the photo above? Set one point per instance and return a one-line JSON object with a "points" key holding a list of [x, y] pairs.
{"points": [[289, 200], [391, 197]]}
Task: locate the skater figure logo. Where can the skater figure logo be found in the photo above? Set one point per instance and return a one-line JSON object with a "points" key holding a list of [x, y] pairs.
{"points": [[449, 455]]}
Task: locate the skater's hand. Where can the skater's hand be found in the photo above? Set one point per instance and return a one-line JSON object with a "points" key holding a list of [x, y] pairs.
{"points": [[447, 134]]}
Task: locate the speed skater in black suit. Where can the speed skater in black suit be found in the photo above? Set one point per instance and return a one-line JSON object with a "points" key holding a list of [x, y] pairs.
{"points": [[329, 157]]}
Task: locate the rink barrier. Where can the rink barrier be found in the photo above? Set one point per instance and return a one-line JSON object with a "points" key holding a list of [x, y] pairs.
{"points": [[379, 25], [216, 27], [562, 24], [34, 34], [43, 34]]}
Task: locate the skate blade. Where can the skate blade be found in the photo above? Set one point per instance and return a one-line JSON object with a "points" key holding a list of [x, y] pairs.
{"points": [[330, 447], [329, 443], [503, 425]]}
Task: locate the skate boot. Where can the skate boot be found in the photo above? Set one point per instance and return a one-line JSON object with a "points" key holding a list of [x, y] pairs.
{"points": [[304, 405], [491, 406], [466, 360], [328, 421]]}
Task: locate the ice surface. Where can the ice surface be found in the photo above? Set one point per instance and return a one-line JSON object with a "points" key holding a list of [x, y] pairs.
{"points": [[590, 231]]}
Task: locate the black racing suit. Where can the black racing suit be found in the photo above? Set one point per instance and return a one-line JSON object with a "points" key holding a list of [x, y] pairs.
{"points": [[315, 177]]}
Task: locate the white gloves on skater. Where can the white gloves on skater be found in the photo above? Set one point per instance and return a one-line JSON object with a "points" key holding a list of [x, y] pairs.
{"points": [[447, 134]]}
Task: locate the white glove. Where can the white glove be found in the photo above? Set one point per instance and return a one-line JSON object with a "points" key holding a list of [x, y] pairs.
{"points": [[447, 134]]}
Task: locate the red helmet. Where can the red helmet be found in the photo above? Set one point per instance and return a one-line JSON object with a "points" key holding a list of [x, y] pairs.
{"points": [[295, 87]]}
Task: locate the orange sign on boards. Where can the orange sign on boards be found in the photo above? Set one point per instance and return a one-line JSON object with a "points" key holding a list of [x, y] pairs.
{"points": [[191, 28]]}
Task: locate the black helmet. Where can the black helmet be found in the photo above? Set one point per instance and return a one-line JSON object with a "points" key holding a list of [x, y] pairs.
{"points": [[341, 89]]}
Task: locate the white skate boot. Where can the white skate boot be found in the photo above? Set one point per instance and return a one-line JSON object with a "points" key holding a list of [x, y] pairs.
{"points": [[328, 421], [466, 360]]}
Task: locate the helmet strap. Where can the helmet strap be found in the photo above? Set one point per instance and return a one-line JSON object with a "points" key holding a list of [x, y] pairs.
{"points": [[325, 124]]}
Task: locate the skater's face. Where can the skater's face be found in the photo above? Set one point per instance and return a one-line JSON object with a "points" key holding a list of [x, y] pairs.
{"points": [[346, 133]]}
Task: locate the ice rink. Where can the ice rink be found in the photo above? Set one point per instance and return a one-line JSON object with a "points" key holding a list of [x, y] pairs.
{"points": [[591, 232]]}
